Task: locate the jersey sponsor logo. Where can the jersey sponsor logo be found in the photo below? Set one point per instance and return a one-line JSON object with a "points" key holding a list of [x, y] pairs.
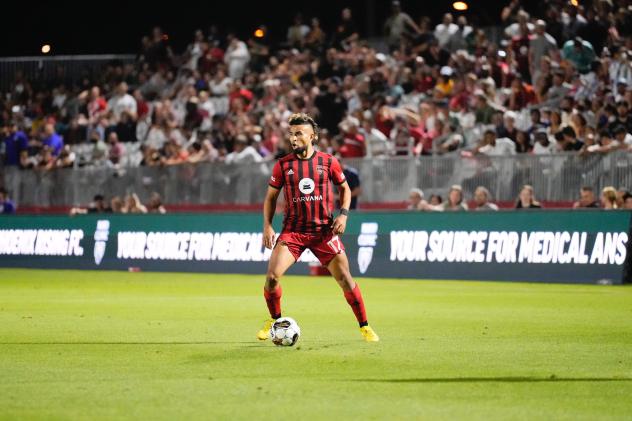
{"points": [[290, 172], [307, 198], [306, 185]]}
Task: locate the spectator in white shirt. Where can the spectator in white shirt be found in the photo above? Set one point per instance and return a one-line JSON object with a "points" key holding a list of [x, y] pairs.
{"points": [[243, 153], [236, 58], [445, 30], [542, 145], [513, 30], [122, 102], [495, 147], [297, 32], [622, 136], [376, 142]]}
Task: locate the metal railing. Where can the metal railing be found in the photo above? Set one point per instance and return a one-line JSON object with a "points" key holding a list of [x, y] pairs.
{"points": [[47, 70], [554, 177]]}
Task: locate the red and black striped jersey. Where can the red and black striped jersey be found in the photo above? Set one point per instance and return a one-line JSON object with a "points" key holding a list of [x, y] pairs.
{"points": [[309, 197]]}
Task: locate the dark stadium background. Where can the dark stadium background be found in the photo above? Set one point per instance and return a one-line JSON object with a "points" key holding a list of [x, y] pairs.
{"points": [[117, 26]]}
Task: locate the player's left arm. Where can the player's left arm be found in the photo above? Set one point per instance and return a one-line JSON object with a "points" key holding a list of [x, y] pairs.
{"points": [[339, 179], [340, 223]]}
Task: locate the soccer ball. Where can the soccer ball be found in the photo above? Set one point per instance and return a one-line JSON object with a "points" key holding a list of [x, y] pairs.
{"points": [[285, 331]]}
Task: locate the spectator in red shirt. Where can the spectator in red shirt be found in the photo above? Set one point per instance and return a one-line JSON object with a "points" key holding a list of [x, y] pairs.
{"points": [[240, 97], [522, 95], [97, 105], [142, 108], [354, 145]]}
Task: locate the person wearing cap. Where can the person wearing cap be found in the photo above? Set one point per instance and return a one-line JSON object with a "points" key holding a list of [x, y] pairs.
{"points": [[445, 84], [579, 52]]}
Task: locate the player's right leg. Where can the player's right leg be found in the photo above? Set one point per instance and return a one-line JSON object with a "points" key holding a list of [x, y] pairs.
{"points": [[280, 261]]}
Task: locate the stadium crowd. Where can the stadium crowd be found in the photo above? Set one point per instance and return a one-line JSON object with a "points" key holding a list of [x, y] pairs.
{"points": [[559, 82], [609, 199]]}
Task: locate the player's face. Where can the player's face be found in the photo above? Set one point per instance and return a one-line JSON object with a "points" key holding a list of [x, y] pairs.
{"points": [[301, 138]]}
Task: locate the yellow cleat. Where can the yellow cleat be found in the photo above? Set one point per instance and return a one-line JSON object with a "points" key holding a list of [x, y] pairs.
{"points": [[264, 333], [369, 334]]}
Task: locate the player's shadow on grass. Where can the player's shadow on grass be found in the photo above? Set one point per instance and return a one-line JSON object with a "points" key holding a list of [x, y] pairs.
{"points": [[551, 379]]}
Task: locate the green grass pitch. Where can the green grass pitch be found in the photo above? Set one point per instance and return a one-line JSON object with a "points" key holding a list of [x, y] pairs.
{"points": [[118, 345]]}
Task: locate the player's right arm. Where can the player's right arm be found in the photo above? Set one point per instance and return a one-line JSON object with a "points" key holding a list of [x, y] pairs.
{"points": [[269, 205]]}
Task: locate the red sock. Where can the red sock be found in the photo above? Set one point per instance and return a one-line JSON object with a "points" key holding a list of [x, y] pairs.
{"points": [[354, 298], [273, 300]]}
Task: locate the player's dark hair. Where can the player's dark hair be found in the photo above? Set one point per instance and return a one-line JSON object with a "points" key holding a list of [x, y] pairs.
{"points": [[298, 119]]}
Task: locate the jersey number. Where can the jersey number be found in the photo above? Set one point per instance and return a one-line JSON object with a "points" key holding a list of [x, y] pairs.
{"points": [[335, 245]]}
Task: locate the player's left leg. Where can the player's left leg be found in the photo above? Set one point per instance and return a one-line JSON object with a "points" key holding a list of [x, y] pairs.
{"points": [[339, 268]]}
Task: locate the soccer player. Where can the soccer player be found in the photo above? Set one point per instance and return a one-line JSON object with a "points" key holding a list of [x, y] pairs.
{"points": [[309, 223]]}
